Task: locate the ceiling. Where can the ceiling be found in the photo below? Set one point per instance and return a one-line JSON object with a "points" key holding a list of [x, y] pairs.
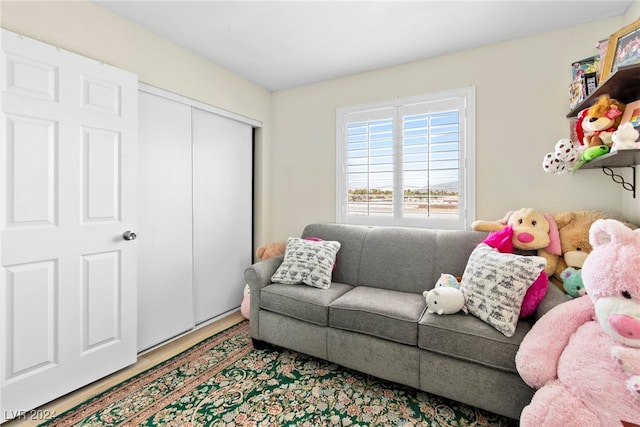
{"points": [[284, 44]]}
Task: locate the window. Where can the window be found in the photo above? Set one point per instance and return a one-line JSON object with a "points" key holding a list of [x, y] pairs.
{"points": [[408, 161]]}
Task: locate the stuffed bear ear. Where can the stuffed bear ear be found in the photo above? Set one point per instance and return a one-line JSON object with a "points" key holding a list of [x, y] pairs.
{"points": [[604, 231], [564, 218]]}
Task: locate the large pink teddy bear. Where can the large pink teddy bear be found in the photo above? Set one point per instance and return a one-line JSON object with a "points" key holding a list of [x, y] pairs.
{"points": [[584, 355]]}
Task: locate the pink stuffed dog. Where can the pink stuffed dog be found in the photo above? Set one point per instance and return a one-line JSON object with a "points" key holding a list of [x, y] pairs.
{"points": [[584, 355]]}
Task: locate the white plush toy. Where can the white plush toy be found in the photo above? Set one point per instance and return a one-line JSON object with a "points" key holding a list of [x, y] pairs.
{"points": [[625, 137], [445, 300], [563, 158], [448, 281]]}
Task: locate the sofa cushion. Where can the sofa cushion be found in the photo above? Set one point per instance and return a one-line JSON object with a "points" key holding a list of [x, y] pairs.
{"points": [[391, 315], [307, 261], [468, 338], [301, 302]]}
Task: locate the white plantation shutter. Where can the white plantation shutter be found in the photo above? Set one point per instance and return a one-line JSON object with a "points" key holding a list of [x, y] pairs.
{"points": [[407, 162], [370, 162]]}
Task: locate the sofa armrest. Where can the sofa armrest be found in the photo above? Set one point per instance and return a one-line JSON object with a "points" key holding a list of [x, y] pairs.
{"points": [[257, 277], [553, 297], [259, 274]]}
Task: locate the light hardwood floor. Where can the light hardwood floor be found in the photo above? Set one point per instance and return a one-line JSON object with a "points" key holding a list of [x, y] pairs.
{"points": [[145, 361]]}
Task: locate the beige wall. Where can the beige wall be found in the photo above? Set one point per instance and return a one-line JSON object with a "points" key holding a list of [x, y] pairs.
{"points": [[631, 206], [522, 91], [521, 106], [87, 29]]}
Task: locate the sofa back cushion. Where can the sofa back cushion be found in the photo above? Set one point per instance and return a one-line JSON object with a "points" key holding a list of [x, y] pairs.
{"points": [[454, 249], [351, 238], [397, 258], [412, 259]]}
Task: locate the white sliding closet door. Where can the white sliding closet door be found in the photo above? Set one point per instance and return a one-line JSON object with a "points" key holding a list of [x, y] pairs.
{"points": [[222, 216], [165, 274], [195, 213]]}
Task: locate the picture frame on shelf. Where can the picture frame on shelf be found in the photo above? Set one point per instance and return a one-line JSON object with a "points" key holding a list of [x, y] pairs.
{"points": [[577, 93], [632, 114], [580, 88], [623, 49], [584, 66], [601, 49]]}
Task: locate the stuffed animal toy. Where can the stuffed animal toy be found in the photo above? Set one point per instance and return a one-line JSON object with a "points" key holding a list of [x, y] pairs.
{"points": [[447, 280], [245, 305], [502, 240], [270, 250], [445, 300], [583, 356], [532, 230], [263, 252], [572, 282], [596, 124], [593, 153], [589, 154], [566, 154], [573, 229], [625, 137]]}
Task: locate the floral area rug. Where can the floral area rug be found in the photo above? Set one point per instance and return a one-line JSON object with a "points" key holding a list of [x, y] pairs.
{"points": [[223, 381]]}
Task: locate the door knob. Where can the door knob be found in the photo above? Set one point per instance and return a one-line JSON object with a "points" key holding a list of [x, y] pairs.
{"points": [[129, 235]]}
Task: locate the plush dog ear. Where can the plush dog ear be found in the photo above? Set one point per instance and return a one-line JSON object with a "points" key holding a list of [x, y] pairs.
{"points": [[554, 236], [480, 225]]}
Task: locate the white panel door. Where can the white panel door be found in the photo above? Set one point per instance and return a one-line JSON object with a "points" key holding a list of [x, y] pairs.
{"points": [[67, 279], [222, 216], [165, 264]]}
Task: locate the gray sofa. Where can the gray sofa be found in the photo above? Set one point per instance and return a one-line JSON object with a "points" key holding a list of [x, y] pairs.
{"points": [[373, 317]]}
